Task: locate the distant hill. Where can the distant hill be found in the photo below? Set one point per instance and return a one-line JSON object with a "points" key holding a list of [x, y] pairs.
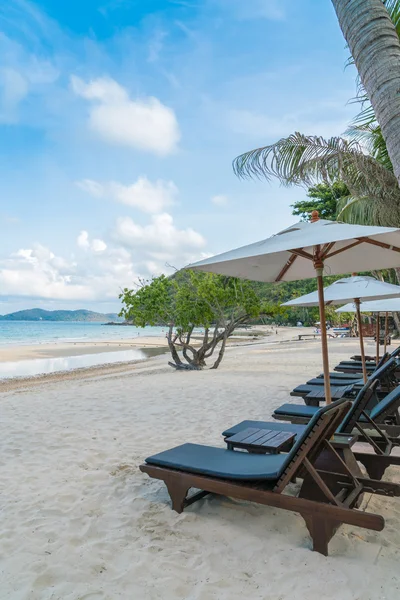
{"points": [[38, 314]]}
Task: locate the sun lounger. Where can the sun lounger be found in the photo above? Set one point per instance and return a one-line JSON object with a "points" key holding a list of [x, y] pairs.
{"points": [[385, 409], [352, 376], [371, 359], [352, 367], [387, 376], [357, 420], [263, 479], [383, 374]]}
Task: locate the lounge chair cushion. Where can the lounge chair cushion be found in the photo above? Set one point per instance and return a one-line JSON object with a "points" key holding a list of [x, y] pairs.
{"points": [[218, 462], [304, 389], [341, 376], [296, 410], [263, 425], [336, 381]]}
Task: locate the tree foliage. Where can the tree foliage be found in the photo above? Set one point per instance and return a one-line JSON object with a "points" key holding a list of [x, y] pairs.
{"points": [[190, 301], [323, 198]]}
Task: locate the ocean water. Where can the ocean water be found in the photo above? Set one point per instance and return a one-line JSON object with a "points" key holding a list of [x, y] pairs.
{"points": [[17, 333], [41, 366]]}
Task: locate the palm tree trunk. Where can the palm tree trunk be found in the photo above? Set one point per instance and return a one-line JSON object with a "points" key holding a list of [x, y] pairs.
{"points": [[375, 47]]}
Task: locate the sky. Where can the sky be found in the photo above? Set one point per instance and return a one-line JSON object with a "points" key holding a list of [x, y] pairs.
{"points": [[119, 121]]}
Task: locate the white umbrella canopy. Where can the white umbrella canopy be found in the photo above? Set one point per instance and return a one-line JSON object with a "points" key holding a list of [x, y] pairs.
{"points": [[352, 288], [375, 306], [349, 288], [388, 305], [303, 251], [289, 255]]}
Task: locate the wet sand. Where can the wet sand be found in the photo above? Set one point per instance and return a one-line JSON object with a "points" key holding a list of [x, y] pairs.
{"points": [[14, 353]]}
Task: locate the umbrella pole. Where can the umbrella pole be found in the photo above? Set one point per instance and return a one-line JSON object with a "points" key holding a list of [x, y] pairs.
{"points": [[360, 333], [378, 334], [386, 332], [324, 338]]}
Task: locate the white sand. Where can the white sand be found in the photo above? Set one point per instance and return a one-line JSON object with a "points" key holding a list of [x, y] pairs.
{"points": [[79, 520]]}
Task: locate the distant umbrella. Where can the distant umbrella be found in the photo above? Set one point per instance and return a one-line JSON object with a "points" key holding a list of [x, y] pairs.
{"points": [[355, 288]]}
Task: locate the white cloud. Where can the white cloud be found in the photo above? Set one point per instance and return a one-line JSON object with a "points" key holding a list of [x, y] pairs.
{"points": [[160, 235], [220, 200], [97, 271], [84, 242], [147, 196], [144, 123], [98, 245]]}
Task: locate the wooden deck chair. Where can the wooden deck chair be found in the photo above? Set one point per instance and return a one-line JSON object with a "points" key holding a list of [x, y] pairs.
{"points": [[264, 478], [357, 420], [385, 414], [371, 360], [384, 375]]}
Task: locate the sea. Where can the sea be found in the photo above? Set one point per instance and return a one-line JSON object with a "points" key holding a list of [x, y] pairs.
{"points": [[18, 333]]}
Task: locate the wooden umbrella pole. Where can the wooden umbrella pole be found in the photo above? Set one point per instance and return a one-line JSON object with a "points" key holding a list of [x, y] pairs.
{"points": [[386, 332], [360, 333], [324, 337], [378, 334]]}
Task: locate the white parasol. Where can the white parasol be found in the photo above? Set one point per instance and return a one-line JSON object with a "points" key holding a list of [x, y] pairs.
{"points": [[389, 305], [304, 250], [355, 288]]}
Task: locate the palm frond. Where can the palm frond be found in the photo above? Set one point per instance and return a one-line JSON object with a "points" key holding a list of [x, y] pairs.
{"points": [[370, 137], [297, 159], [308, 160]]}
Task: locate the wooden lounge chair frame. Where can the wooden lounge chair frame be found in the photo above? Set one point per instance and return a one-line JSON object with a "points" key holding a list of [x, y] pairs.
{"points": [[387, 435], [337, 494]]}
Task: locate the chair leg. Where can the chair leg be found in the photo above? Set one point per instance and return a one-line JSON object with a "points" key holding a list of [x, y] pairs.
{"points": [[321, 531], [374, 465], [177, 492]]}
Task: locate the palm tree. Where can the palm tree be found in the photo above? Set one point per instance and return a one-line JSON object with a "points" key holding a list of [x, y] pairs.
{"points": [[360, 160], [375, 47]]}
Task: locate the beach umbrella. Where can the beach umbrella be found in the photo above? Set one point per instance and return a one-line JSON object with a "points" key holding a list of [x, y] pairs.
{"points": [[389, 305], [356, 288], [303, 250]]}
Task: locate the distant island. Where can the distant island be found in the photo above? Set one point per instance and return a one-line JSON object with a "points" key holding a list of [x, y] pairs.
{"points": [[38, 314]]}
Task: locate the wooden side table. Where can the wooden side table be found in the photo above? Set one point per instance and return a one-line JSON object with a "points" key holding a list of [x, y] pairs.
{"points": [[261, 440]]}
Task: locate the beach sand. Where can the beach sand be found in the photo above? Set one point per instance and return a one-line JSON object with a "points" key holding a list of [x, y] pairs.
{"points": [[81, 522]]}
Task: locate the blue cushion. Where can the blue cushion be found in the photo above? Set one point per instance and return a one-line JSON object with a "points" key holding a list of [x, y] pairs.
{"points": [[296, 410], [341, 376], [335, 381], [303, 390], [218, 462], [358, 363], [390, 402], [264, 425]]}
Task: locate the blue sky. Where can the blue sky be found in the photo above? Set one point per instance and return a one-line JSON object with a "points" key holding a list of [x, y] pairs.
{"points": [[119, 120]]}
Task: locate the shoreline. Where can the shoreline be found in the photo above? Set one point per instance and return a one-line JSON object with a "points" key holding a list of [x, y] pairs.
{"points": [[152, 363]]}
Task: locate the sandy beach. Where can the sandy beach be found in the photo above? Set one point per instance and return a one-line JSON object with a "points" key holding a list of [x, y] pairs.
{"points": [[80, 521]]}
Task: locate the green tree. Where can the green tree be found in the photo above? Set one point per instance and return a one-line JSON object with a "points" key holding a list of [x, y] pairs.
{"points": [[323, 198], [191, 300]]}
